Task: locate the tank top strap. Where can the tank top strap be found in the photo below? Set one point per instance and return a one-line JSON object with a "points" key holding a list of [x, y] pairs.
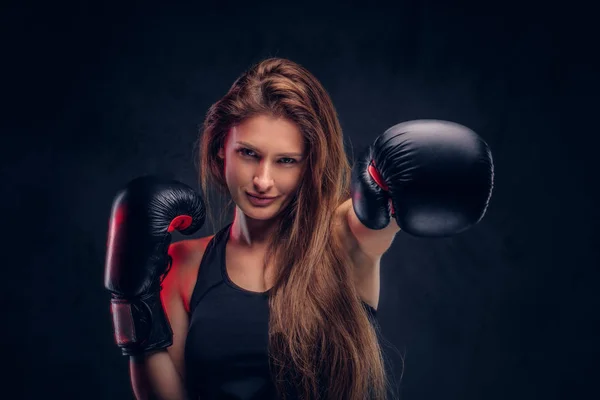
{"points": [[209, 273]]}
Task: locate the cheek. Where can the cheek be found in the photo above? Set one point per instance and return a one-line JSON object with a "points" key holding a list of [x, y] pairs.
{"points": [[290, 183], [236, 172]]}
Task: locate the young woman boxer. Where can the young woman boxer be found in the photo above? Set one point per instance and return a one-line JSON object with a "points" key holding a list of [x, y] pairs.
{"points": [[281, 302]]}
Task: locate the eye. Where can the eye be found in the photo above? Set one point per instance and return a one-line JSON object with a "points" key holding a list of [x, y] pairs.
{"points": [[244, 152], [249, 153]]}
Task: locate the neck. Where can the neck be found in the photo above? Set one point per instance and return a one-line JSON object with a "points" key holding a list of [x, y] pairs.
{"points": [[249, 233]]}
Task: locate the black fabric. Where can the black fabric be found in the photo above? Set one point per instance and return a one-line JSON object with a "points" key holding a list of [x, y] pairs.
{"points": [[226, 347]]}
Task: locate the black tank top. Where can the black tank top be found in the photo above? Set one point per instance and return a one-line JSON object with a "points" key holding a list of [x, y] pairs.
{"points": [[226, 346]]}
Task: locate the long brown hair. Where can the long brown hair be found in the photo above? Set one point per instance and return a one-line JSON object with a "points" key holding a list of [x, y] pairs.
{"points": [[321, 342]]}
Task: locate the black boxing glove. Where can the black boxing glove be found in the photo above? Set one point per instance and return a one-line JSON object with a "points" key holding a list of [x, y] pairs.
{"points": [[143, 216], [434, 177]]}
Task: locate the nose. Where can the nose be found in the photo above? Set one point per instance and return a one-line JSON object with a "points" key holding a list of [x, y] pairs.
{"points": [[263, 181]]}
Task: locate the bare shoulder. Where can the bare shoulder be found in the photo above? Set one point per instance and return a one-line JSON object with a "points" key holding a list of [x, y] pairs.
{"points": [[187, 251], [187, 255]]}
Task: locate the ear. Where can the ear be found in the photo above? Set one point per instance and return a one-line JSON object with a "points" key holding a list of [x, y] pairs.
{"points": [[221, 153]]}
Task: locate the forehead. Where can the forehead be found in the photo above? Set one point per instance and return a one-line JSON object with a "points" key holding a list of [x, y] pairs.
{"points": [[269, 134]]}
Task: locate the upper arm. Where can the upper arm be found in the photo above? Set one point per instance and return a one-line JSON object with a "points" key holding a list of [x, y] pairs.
{"points": [[183, 273], [373, 243]]}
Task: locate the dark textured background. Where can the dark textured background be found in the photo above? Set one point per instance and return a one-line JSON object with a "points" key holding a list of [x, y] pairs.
{"points": [[96, 95]]}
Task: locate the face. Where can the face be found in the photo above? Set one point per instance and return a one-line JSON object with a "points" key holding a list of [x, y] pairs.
{"points": [[263, 157]]}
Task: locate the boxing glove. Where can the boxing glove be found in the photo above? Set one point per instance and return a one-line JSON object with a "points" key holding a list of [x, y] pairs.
{"points": [[434, 177], [142, 218]]}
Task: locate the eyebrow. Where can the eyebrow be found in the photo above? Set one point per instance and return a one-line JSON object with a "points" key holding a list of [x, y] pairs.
{"points": [[281, 154]]}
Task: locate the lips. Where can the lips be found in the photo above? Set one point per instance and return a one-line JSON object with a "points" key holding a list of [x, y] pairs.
{"points": [[260, 197], [260, 202]]}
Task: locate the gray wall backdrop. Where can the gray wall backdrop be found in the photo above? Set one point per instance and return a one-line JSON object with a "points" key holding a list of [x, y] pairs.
{"points": [[98, 94]]}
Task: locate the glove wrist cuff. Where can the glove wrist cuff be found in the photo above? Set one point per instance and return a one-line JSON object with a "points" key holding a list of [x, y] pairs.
{"points": [[140, 324]]}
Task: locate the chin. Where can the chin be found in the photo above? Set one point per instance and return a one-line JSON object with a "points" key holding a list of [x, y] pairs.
{"points": [[259, 215]]}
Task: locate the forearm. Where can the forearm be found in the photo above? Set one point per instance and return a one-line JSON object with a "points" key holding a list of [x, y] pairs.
{"points": [[154, 377]]}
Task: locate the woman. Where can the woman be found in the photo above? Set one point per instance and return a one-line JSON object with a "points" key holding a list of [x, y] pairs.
{"points": [[281, 303]]}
